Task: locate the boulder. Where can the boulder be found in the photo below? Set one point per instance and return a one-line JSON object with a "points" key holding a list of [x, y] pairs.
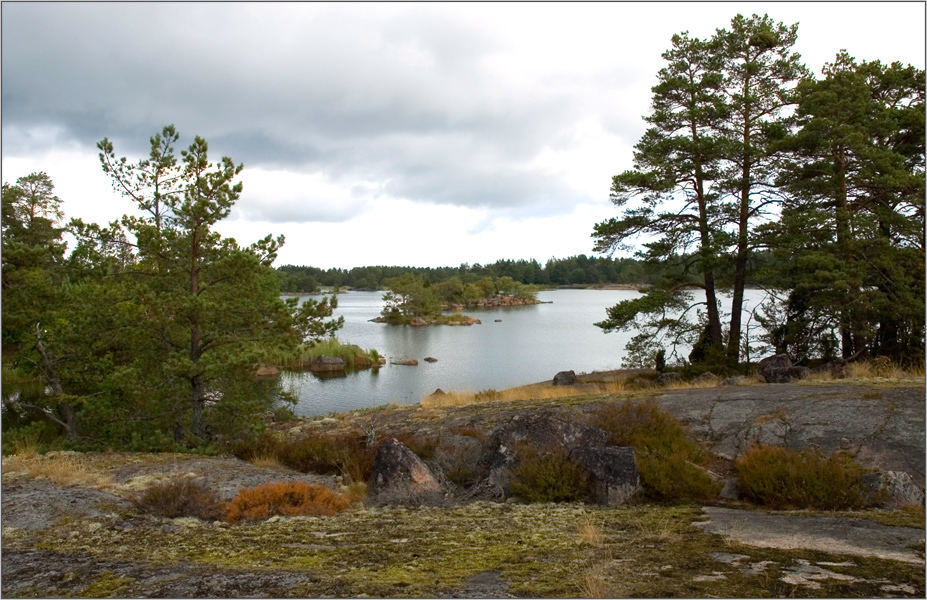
{"points": [[730, 490], [893, 489], [431, 359], [735, 380], [438, 392], [497, 321], [779, 369], [417, 322], [401, 477], [267, 371], [327, 363], [565, 378], [612, 472], [409, 362], [668, 378], [706, 377]]}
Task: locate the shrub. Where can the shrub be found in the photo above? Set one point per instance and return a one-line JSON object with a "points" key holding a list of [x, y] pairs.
{"points": [[782, 478], [669, 460], [548, 475], [422, 446], [261, 445], [180, 497], [343, 454], [287, 498]]}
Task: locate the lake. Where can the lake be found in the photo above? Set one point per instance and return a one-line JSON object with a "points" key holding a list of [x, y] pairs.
{"points": [[528, 344]]}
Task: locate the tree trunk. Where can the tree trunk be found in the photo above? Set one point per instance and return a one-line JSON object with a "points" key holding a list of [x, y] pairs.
{"points": [[740, 264], [70, 415]]}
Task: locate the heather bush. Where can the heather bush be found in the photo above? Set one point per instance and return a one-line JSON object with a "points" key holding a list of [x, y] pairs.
{"points": [[548, 475], [287, 498], [670, 462], [345, 454], [180, 497], [782, 478]]}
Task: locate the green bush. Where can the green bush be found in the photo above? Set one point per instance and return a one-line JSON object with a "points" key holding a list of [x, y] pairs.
{"points": [[548, 475], [670, 462], [180, 497], [782, 478]]}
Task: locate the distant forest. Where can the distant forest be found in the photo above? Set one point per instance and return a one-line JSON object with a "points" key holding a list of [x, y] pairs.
{"points": [[578, 270]]}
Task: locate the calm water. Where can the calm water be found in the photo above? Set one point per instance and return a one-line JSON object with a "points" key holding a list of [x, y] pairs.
{"points": [[528, 345]]}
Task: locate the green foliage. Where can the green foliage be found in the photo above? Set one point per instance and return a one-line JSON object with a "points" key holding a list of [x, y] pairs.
{"points": [[849, 242], [548, 475], [147, 336], [408, 296], [353, 355], [781, 478], [180, 496], [669, 460], [696, 189]]}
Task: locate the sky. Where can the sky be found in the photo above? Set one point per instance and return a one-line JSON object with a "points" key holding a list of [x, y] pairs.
{"points": [[380, 133]]}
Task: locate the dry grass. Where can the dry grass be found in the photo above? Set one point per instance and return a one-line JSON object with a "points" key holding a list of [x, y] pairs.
{"points": [[877, 369], [594, 582], [62, 469], [590, 534], [266, 460], [543, 391]]}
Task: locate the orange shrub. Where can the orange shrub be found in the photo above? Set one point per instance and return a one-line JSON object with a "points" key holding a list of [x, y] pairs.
{"points": [[287, 498]]}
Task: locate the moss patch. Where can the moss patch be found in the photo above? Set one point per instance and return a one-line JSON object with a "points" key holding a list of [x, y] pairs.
{"points": [[540, 550], [107, 585]]}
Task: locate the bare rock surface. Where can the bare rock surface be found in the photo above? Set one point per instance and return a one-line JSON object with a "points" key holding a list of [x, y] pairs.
{"points": [[38, 503], [858, 537], [40, 573], [883, 425]]}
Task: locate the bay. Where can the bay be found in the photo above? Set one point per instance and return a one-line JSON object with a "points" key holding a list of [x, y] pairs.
{"points": [[513, 346]]}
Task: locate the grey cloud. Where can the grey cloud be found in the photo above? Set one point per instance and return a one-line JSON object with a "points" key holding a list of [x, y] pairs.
{"points": [[317, 87]]}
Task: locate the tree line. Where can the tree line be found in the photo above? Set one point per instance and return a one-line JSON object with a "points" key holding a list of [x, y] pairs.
{"points": [[147, 335], [573, 270], [747, 152]]}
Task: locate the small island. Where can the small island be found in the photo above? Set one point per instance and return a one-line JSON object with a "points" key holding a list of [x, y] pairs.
{"points": [[412, 300]]}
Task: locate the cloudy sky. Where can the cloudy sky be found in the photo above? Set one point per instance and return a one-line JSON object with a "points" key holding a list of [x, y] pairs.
{"points": [[410, 134]]}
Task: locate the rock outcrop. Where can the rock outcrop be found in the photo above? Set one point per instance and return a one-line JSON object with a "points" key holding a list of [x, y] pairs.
{"points": [[401, 477]]}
